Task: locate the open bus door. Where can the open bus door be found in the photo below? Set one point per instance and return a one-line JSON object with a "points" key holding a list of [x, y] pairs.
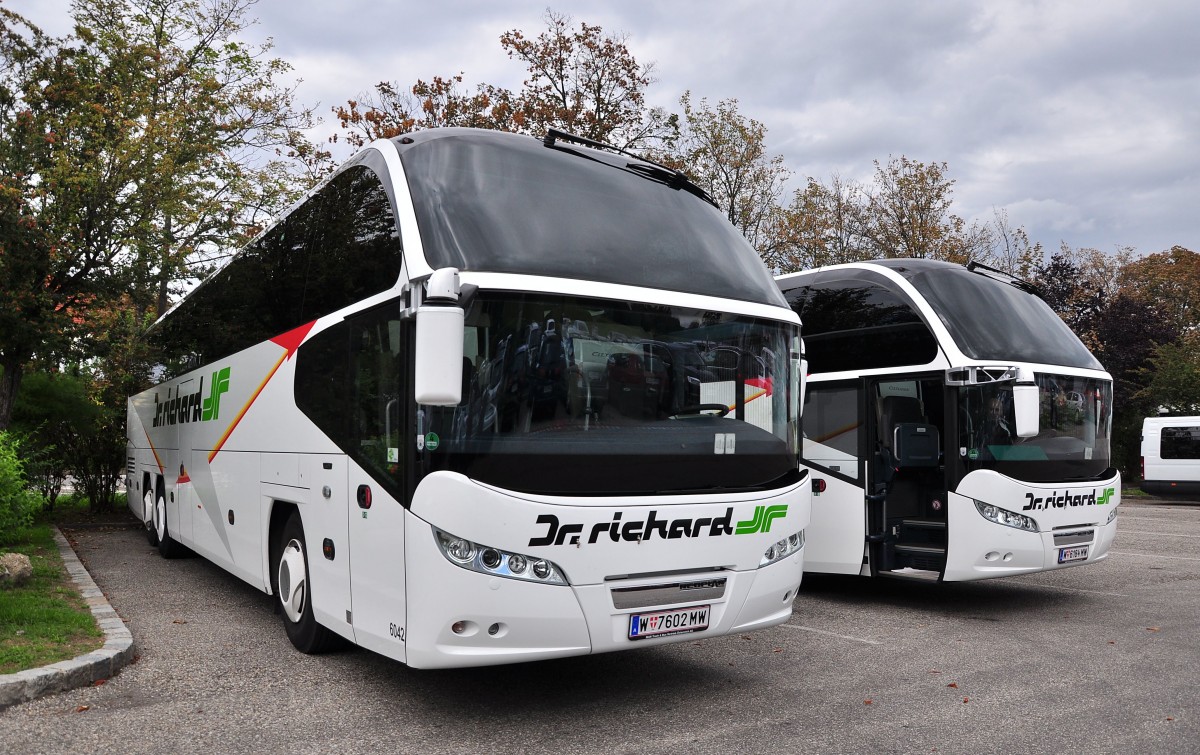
{"points": [[905, 489]]}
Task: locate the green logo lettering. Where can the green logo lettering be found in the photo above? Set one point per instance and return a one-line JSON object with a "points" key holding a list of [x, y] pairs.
{"points": [[212, 404], [1108, 494], [763, 516]]}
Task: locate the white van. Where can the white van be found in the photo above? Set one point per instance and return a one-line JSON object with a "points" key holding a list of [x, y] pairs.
{"points": [[1171, 455]]}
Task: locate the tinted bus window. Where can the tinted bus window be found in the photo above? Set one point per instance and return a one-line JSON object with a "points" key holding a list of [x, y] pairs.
{"points": [[335, 249], [856, 325]]}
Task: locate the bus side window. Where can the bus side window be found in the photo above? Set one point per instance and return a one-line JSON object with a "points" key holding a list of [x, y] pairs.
{"points": [[832, 429]]}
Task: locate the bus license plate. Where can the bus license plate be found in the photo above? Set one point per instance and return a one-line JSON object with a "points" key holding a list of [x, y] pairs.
{"points": [[675, 621], [1078, 553]]}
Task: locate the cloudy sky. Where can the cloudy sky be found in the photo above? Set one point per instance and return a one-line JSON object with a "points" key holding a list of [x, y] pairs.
{"points": [[1080, 119]]}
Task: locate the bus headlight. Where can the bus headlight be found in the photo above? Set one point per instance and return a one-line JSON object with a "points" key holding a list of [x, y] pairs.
{"points": [[1005, 517], [782, 549], [496, 562]]}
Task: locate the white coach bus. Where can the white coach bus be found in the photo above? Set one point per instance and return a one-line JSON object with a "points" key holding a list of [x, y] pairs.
{"points": [[483, 398], [955, 427]]}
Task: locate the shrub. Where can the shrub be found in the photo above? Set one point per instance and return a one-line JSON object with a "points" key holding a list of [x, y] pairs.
{"points": [[18, 503]]}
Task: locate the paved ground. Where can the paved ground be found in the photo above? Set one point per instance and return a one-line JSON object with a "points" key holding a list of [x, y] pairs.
{"points": [[1100, 659]]}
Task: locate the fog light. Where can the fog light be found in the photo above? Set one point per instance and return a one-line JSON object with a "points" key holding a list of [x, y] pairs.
{"points": [[458, 627]]}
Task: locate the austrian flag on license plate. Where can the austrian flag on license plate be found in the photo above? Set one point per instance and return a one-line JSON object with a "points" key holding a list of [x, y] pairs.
{"points": [[675, 621]]}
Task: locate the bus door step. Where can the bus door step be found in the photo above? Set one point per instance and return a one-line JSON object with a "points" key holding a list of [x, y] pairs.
{"points": [[924, 524], [920, 555], [918, 575]]}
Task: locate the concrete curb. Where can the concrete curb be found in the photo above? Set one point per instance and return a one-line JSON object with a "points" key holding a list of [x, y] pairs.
{"points": [[117, 652]]}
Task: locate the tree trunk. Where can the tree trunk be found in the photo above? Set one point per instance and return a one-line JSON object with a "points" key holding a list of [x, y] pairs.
{"points": [[10, 381]]}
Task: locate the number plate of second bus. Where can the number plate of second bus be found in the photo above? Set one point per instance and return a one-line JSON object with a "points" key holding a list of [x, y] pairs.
{"points": [[675, 621], [1078, 553]]}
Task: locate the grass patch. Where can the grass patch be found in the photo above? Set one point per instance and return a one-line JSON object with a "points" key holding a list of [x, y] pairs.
{"points": [[45, 620], [74, 509]]}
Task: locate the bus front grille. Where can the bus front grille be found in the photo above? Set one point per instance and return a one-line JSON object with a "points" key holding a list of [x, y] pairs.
{"points": [[694, 591]]}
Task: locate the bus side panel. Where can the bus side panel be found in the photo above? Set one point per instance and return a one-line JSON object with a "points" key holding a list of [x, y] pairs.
{"points": [[229, 484], [837, 534], [377, 565], [324, 518]]}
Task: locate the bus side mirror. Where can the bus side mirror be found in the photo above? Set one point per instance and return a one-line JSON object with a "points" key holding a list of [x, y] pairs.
{"points": [[440, 327], [1025, 404]]}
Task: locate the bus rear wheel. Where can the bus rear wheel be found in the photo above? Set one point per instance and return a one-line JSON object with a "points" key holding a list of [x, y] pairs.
{"points": [[295, 592], [168, 547], [148, 518]]}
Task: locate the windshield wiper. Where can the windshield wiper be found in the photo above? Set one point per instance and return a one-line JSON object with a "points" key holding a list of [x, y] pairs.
{"points": [[645, 167], [1003, 277]]}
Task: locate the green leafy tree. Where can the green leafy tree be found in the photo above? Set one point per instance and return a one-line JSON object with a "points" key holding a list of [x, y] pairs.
{"points": [[48, 407], [130, 151], [1171, 378]]}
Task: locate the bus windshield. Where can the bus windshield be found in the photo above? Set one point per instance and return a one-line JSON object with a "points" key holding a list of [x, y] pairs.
{"points": [[993, 320], [567, 395], [1075, 429], [486, 201]]}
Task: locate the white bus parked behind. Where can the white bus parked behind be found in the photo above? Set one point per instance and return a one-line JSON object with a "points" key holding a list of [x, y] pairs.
{"points": [[1171, 455]]}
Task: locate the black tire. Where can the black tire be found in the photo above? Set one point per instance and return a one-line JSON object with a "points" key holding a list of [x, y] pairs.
{"points": [[168, 547], [295, 595], [148, 518]]}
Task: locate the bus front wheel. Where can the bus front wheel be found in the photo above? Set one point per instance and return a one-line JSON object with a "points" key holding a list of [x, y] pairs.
{"points": [[295, 592]]}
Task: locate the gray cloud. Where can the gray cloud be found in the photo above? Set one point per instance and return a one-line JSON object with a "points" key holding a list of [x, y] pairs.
{"points": [[1082, 120]]}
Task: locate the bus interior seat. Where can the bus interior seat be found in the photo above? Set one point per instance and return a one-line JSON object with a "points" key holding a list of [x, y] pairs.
{"points": [[913, 441]]}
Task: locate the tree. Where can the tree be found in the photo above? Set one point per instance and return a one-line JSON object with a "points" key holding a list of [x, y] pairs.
{"points": [[1170, 279], [1172, 376], [130, 152], [822, 226], [392, 110], [48, 411], [1127, 332], [724, 151], [1012, 251], [907, 214], [586, 83], [583, 81]]}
